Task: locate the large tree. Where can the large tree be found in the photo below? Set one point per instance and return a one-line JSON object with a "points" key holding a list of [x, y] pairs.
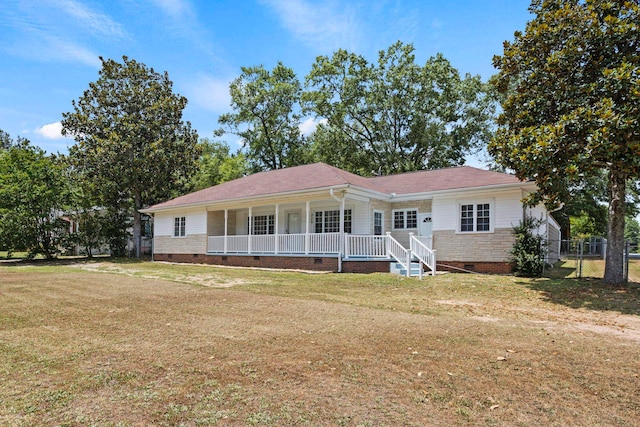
{"points": [[572, 108], [395, 115], [266, 117], [131, 140], [34, 193], [217, 165]]}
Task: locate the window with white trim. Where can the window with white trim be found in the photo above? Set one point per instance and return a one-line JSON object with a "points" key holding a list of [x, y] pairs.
{"points": [[329, 221], [475, 217], [263, 224], [179, 226], [378, 223], [405, 219]]}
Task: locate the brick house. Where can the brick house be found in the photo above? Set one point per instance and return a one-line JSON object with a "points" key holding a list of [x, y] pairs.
{"points": [[323, 218]]}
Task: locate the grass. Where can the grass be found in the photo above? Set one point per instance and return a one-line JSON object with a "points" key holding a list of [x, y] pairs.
{"points": [[139, 343]]}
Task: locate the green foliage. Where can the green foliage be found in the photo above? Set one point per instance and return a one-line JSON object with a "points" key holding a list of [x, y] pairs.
{"points": [[527, 255], [265, 116], [572, 101], [396, 116], [132, 147], [34, 192], [632, 231], [217, 165]]}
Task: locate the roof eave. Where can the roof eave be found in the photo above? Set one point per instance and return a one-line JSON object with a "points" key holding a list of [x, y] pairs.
{"points": [[260, 198]]}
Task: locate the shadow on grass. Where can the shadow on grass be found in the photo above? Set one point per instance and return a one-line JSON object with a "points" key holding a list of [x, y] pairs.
{"points": [[69, 260], [588, 293]]}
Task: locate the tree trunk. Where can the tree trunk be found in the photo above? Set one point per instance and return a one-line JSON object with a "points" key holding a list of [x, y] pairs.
{"points": [[614, 263], [137, 225]]}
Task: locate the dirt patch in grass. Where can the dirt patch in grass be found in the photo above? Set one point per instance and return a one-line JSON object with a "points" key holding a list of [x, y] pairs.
{"points": [[81, 347]]}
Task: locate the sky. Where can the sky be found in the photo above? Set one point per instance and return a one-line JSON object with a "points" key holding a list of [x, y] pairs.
{"points": [[50, 49]]}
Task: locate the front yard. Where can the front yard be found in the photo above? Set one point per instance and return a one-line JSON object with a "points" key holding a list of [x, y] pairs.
{"points": [[128, 343]]}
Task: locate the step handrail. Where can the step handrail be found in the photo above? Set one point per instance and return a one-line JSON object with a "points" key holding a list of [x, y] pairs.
{"points": [[425, 255], [399, 253]]}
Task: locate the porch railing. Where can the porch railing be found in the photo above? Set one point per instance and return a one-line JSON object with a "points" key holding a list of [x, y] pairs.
{"points": [[425, 255], [399, 253], [365, 246], [355, 246], [325, 243]]}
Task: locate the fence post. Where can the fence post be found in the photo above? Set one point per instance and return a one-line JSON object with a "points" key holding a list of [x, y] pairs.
{"points": [[626, 261]]}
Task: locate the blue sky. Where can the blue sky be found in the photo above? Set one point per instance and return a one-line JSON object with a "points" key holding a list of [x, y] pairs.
{"points": [[49, 49]]}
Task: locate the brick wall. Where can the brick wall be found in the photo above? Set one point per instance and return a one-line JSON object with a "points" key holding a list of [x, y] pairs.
{"points": [[474, 247], [365, 267], [261, 261], [478, 267], [193, 243]]}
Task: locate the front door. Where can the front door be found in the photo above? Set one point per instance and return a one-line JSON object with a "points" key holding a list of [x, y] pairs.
{"points": [[425, 228], [293, 223]]}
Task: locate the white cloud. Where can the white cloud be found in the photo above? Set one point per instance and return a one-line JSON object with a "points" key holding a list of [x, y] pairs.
{"points": [[51, 131], [210, 93], [323, 26], [308, 126], [174, 8], [96, 23]]}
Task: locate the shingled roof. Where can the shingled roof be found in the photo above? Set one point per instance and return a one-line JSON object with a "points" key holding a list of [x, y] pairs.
{"points": [[320, 175]]}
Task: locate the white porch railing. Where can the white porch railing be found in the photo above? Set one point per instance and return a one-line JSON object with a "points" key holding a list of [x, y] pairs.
{"points": [[365, 246], [397, 251], [425, 255], [355, 246], [325, 243]]}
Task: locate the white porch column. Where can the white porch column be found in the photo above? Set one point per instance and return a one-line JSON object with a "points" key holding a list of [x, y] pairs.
{"points": [[250, 230], [276, 229], [342, 236], [226, 224], [306, 230]]}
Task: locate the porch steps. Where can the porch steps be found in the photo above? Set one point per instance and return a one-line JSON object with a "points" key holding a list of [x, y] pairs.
{"points": [[397, 268]]}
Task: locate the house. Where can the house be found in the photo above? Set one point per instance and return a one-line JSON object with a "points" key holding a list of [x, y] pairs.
{"points": [[320, 217]]}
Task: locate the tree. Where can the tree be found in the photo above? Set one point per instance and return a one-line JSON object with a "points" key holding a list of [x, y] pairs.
{"points": [[572, 108], [217, 165], [266, 117], [131, 140], [34, 193], [396, 116]]}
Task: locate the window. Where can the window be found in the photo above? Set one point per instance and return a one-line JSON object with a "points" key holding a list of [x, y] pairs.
{"points": [[475, 217], [263, 224], [403, 219], [179, 226], [329, 221], [378, 222]]}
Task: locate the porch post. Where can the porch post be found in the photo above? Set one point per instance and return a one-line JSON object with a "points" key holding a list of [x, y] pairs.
{"points": [[342, 237], [276, 230], [306, 230], [250, 230], [226, 224]]}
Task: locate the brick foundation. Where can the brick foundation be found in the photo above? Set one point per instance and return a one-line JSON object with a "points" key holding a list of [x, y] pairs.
{"points": [[261, 261], [365, 266], [479, 267], [321, 263]]}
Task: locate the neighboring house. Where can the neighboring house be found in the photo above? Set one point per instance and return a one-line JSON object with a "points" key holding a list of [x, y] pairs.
{"points": [[323, 218]]}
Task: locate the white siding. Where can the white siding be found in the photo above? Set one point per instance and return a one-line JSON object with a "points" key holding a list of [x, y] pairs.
{"points": [[507, 209], [196, 222]]}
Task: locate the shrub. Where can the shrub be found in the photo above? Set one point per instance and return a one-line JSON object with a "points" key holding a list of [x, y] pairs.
{"points": [[527, 255]]}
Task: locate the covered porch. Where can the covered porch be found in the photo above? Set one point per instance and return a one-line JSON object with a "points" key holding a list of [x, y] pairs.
{"points": [[343, 226]]}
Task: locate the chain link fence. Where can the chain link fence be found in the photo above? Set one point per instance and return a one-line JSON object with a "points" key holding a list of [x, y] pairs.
{"points": [[586, 257]]}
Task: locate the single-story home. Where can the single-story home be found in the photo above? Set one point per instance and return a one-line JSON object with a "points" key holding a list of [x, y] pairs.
{"points": [[323, 218]]}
